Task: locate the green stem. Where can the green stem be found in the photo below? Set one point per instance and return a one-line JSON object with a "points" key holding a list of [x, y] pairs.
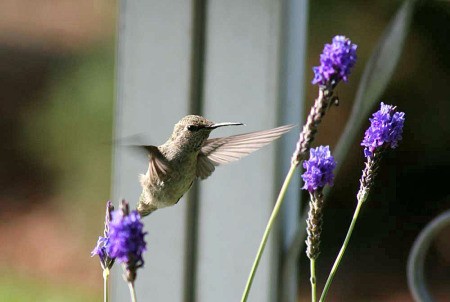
{"points": [[132, 291], [313, 279], [342, 251], [105, 285], [269, 226]]}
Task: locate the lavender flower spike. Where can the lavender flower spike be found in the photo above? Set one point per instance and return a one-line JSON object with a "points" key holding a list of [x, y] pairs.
{"points": [[126, 239], [336, 61], [100, 249], [318, 169], [386, 128]]}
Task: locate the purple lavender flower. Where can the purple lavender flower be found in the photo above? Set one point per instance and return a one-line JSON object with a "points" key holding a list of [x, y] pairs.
{"points": [[336, 61], [318, 169], [386, 128], [101, 249], [126, 238]]}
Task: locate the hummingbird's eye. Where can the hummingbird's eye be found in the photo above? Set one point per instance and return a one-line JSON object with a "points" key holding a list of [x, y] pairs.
{"points": [[192, 128]]}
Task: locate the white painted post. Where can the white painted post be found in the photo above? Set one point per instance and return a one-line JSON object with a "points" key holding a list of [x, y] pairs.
{"points": [[292, 94], [241, 82], [153, 94]]}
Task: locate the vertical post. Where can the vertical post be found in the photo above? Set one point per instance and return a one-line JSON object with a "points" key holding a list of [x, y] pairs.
{"points": [[292, 94], [241, 84], [196, 107], [202, 251], [153, 81]]}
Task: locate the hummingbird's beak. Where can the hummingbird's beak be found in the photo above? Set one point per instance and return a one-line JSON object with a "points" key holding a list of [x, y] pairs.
{"points": [[217, 125]]}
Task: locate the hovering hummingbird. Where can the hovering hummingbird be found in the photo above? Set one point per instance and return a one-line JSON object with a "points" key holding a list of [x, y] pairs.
{"points": [[189, 154]]}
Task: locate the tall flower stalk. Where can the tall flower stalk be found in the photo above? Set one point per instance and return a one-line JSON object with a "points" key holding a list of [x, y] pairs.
{"points": [[336, 62], [106, 260], [127, 244], [122, 240], [385, 131], [318, 173]]}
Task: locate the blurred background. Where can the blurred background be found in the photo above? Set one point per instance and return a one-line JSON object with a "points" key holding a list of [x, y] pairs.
{"points": [[57, 71], [57, 96]]}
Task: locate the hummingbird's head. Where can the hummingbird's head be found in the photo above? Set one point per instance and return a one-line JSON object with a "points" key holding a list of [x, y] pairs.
{"points": [[193, 130]]}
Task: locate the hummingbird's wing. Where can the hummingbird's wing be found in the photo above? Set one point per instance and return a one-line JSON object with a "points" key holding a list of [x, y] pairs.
{"points": [[157, 164], [223, 150]]}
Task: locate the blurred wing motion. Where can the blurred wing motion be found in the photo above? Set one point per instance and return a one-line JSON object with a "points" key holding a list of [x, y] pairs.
{"points": [[223, 150], [157, 164]]}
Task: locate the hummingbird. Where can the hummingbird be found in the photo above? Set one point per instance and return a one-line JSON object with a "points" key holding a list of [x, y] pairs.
{"points": [[188, 154]]}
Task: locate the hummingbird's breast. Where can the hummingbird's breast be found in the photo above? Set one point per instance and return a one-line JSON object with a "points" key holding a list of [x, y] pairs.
{"points": [[164, 191]]}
